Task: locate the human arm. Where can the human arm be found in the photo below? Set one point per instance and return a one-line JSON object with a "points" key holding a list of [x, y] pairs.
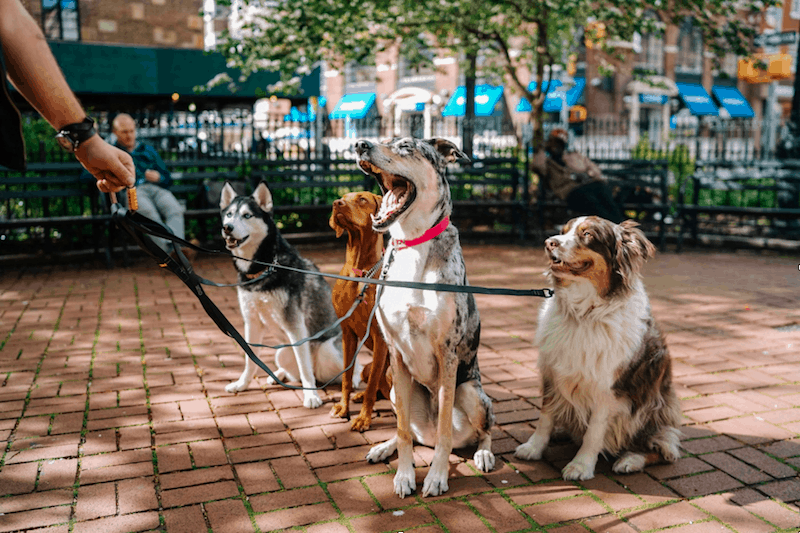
{"points": [[36, 75], [157, 171]]}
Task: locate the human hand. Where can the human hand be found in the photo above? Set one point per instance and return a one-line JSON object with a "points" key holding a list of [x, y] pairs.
{"points": [[113, 168], [153, 176]]}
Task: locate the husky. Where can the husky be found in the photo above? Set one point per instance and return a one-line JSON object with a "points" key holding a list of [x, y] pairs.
{"points": [[294, 305], [432, 336]]}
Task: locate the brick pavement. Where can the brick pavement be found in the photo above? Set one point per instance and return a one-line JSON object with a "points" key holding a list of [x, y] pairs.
{"points": [[115, 418]]}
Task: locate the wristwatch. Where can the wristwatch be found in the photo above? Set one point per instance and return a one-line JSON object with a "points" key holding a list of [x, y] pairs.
{"points": [[71, 136]]}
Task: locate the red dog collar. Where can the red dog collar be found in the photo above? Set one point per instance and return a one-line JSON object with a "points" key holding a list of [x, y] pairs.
{"points": [[401, 244]]}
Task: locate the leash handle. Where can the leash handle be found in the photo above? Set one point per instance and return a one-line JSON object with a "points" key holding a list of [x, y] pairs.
{"points": [[133, 200]]}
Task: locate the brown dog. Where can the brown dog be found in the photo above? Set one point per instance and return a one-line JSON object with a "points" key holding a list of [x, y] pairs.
{"points": [[352, 213]]}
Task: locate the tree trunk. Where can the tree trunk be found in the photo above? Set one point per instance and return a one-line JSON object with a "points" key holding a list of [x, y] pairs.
{"points": [[468, 122]]}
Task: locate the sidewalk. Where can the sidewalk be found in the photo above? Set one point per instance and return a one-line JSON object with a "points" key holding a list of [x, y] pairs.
{"points": [[113, 407]]}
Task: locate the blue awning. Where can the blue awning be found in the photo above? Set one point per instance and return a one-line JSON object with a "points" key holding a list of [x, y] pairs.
{"points": [[733, 101], [549, 86], [354, 105], [553, 99], [552, 104], [486, 98], [697, 99], [295, 115]]}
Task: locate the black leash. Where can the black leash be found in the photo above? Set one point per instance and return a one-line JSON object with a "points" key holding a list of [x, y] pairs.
{"points": [[440, 287], [134, 224], [139, 227]]}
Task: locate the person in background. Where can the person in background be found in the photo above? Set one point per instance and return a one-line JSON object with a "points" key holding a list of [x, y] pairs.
{"points": [[26, 60], [152, 182], [575, 178]]}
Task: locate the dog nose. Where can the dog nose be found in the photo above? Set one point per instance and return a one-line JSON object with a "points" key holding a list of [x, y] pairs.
{"points": [[551, 243], [227, 229], [362, 146], [339, 202]]}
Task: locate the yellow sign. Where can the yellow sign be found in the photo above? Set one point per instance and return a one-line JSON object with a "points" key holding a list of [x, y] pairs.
{"points": [[577, 113], [779, 67]]}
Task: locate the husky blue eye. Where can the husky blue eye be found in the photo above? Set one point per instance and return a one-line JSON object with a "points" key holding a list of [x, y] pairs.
{"points": [[247, 215]]}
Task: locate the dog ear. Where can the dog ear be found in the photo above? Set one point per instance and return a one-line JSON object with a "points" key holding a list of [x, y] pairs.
{"points": [[449, 151], [633, 249], [263, 197], [226, 196], [335, 226]]}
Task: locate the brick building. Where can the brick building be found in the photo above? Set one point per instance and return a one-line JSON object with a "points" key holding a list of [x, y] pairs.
{"points": [[169, 23], [676, 61], [119, 55]]}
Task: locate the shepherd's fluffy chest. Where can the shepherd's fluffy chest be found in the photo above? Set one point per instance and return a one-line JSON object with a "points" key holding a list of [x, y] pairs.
{"points": [[606, 371]]}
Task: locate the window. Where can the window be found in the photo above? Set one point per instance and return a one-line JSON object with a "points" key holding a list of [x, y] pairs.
{"points": [[61, 20], [690, 49], [651, 57], [356, 74]]}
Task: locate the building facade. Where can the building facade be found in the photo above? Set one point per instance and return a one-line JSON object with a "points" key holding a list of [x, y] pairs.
{"points": [[167, 23]]}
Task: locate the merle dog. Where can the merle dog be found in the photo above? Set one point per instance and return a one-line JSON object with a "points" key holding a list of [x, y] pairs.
{"points": [[432, 336]]}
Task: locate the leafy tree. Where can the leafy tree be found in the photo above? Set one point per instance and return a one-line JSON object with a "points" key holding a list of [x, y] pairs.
{"points": [[517, 39]]}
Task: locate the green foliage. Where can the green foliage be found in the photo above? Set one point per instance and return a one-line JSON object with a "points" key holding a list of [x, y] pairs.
{"points": [[40, 141], [679, 160], [513, 39]]}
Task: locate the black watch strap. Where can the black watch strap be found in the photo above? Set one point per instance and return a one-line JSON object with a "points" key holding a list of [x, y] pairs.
{"points": [[72, 135]]}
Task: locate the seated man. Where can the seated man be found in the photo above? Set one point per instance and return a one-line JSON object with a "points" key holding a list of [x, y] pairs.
{"points": [[575, 178]]}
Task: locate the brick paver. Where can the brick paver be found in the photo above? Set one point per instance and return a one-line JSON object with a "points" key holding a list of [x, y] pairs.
{"points": [[113, 408]]}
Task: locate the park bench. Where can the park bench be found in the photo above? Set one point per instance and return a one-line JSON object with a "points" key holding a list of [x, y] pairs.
{"points": [[640, 188], [752, 204], [490, 198], [49, 209]]}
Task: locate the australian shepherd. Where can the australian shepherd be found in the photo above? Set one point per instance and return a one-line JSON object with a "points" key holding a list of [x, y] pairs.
{"points": [[606, 371]]}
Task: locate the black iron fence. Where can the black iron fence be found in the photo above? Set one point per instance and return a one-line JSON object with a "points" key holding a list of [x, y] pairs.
{"points": [[240, 133]]}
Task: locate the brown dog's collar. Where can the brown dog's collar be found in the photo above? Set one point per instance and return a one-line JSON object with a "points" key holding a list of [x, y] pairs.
{"points": [[254, 276]]}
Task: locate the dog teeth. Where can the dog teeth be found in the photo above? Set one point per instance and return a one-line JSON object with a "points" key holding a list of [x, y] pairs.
{"points": [[389, 206]]}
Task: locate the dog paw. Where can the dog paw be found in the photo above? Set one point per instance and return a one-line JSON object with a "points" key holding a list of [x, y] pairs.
{"points": [[360, 423], [484, 460], [404, 483], [236, 386], [280, 374], [381, 452], [667, 444], [359, 397], [435, 484], [340, 410], [577, 471], [528, 452], [312, 401], [628, 463]]}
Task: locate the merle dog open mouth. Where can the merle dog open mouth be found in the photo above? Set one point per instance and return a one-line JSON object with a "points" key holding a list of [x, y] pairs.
{"points": [[398, 194], [231, 243]]}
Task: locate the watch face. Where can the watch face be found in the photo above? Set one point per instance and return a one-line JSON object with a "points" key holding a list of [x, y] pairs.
{"points": [[65, 142]]}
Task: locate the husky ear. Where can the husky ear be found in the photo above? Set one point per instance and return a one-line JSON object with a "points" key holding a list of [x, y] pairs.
{"points": [[227, 196], [263, 197], [449, 151]]}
